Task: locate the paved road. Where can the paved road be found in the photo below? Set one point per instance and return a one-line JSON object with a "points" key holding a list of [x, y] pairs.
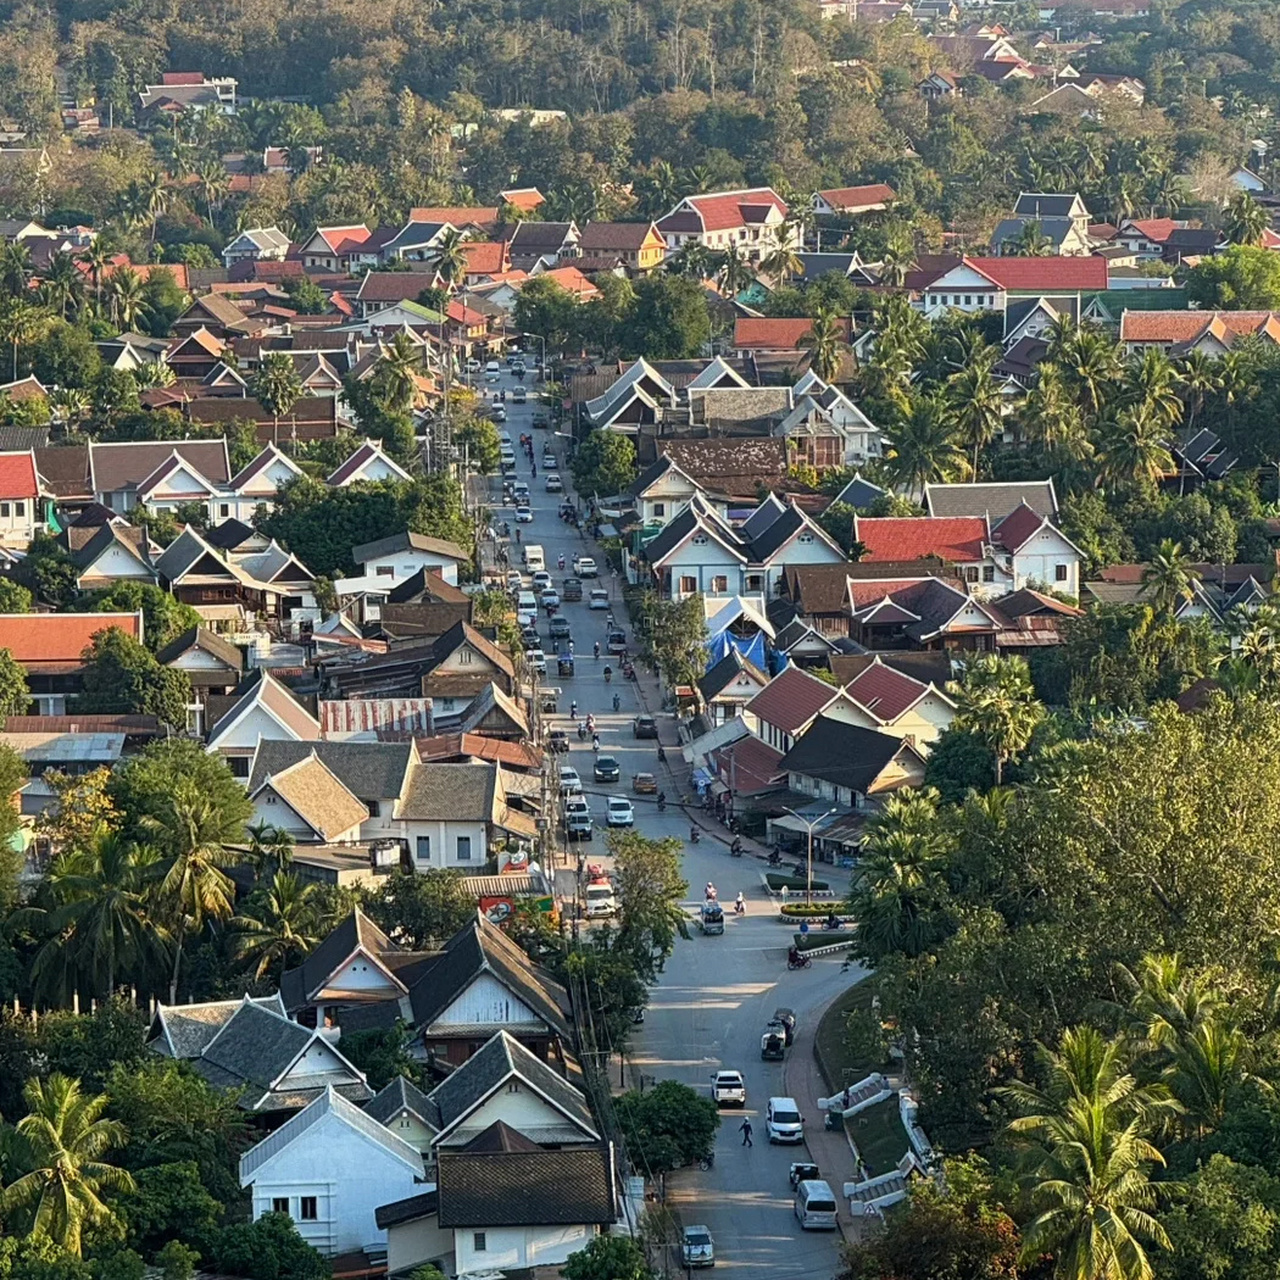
{"points": [[712, 1002]]}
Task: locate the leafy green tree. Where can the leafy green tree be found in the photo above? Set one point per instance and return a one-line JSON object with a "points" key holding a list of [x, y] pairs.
{"points": [[268, 1249], [66, 357], [382, 1053], [677, 638], [825, 343], [48, 571], [38, 1258], [66, 1140], [1246, 220], [608, 1258], [177, 1261], [162, 302], [15, 696], [996, 702], [545, 308], [305, 296], [170, 1204], [164, 617], [121, 675], [604, 464], [670, 319], [479, 437], [14, 597], [667, 1126], [1243, 278], [650, 890], [425, 908]]}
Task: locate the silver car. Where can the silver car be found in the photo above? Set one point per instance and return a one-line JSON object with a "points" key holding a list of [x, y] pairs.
{"points": [[698, 1249]]}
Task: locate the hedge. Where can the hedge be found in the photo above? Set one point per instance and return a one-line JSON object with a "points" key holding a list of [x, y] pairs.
{"points": [[778, 881], [819, 910]]}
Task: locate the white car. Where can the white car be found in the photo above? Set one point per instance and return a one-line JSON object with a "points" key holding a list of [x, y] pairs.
{"points": [[620, 812], [473, 366], [504, 439], [783, 1121], [728, 1089], [549, 599], [554, 484], [524, 515], [515, 580], [599, 599], [493, 367], [549, 462], [542, 581], [698, 1249], [570, 783], [585, 567], [537, 660], [527, 602]]}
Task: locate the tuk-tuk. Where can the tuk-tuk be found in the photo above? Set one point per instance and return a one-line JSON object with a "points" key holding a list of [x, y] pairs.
{"points": [[711, 917], [787, 1021], [803, 1172], [550, 699], [773, 1043], [564, 665]]}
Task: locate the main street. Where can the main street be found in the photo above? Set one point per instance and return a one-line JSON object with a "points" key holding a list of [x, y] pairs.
{"points": [[716, 994]]}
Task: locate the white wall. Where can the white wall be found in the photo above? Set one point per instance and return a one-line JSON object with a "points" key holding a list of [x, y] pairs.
{"points": [[704, 563], [524, 1110], [411, 1244], [348, 1174], [404, 564], [486, 1002], [443, 834], [1039, 559], [506, 1248], [116, 563]]}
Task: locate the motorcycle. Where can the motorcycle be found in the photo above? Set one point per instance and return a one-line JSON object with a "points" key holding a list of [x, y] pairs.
{"points": [[735, 849], [832, 926], [582, 733], [608, 675], [739, 907], [775, 858], [695, 835], [796, 960], [707, 1161], [662, 755], [662, 802]]}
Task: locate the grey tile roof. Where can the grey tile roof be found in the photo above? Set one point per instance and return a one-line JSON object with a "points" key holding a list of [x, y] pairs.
{"points": [[357, 930], [510, 1188], [725, 670], [482, 947], [996, 499], [370, 770], [182, 1031], [407, 1210], [458, 792], [843, 754], [407, 541], [399, 1096], [497, 1061], [208, 642]]}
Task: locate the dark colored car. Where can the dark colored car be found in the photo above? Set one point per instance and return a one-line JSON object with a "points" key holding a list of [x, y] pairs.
{"points": [[571, 589], [644, 727], [558, 741], [607, 769]]}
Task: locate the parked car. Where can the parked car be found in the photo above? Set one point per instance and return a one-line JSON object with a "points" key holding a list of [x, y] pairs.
{"points": [[728, 1089], [644, 784], [515, 580], [530, 638], [607, 769], [698, 1249], [570, 783], [585, 567], [619, 812], [558, 741], [644, 727]]}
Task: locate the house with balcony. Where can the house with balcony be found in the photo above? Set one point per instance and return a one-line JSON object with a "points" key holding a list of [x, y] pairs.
{"points": [[747, 219]]}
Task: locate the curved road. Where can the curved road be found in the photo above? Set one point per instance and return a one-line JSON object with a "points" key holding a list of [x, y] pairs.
{"points": [[712, 1002]]}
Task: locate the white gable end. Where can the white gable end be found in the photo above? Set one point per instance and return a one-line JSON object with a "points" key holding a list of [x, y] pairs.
{"points": [[319, 1059], [486, 1002], [180, 482], [364, 975], [118, 561]]}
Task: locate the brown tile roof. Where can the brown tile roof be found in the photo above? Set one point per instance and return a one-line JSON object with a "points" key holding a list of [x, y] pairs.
{"points": [[319, 798], [791, 699], [758, 333], [598, 237], [517, 755]]}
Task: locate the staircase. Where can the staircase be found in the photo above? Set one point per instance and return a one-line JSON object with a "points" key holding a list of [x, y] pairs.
{"points": [[868, 1198], [866, 1093]]}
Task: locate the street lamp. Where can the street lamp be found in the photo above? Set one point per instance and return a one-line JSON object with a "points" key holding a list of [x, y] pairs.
{"points": [[809, 826]]}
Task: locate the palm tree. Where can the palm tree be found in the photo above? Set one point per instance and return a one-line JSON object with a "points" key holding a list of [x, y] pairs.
{"points": [[1133, 450], [1169, 580], [782, 261], [895, 262], [449, 258], [734, 272], [70, 404], [1052, 418], [825, 342], [398, 367], [977, 405], [695, 180], [1198, 378], [1030, 242], [1151, 381], [62, 285], [276, 386], [923, 446], [195, 885], [101, 924], [97, 257], [692, 260], [996, 702], [66, 1138], [155, 373], [659, 189], [125, 297], [1246, 220], [1090, 362], [279, 927], [15, 268], [215, 183], [20, 325]]}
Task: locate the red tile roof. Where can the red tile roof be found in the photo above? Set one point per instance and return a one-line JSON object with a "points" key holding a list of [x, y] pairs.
{"points": [[18, 475], [952, 538], [1185, 326], [182, 77], [574, 281], [791, 699], [723, 210], [463, 215], [484, 257], [884, 692], [866, 591], [51, 642], [1047, 274], [526, 198], [854, 198], [753, 333], [749, 765], [1020, 525], [1155, 229]]}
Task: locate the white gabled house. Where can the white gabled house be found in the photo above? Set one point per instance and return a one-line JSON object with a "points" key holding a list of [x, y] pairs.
{"points": [[369, 463], [264, 710], [329, 1168], [257, 485]]}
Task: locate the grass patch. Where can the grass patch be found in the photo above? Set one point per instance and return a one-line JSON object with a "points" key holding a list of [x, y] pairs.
{"points": [[778, 881], [879, 1136]]}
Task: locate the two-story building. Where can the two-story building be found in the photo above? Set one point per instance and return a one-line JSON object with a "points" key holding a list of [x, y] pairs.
{"points": [[748, 220]]}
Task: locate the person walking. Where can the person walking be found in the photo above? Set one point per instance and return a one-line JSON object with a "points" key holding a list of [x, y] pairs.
{"points": [[745, 1129]]}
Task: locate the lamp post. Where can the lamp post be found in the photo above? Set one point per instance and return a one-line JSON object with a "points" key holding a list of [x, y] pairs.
{"points": [[809, 826]]}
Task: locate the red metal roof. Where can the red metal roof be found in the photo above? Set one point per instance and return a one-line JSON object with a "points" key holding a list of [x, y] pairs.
{"points": [[1018, 526], [748, 765], [776, 335], [18, 475], [884, 692], [951, 538], [791, 699], [1046, 274], [722, 211]]}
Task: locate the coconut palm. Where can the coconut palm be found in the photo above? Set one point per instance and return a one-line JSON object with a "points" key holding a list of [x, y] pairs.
{"points": [[1169, 580], [279, 926], [658, 188], [276, 386], [1030, 242], [1151, 380], [825, 342], [996, 702], [1133, 450], [695, 180], [449, 258], [693, 260], [15, 268], [1089, 360], [62, 287], [924, 446], [101, 923], [126, 300], [153, 190], [977, 405], [398, 367], [66, 1138], [895, 262], [21, 324], [782, 261], [1051, 417], [97, 257], [1198, 377], [733, 273], [195, 887], [215, 184], [1246, 220]]}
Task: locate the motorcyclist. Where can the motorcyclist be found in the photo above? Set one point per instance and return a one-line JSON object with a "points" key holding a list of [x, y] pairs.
{"points": [[517, 533], [596, 648], [617, 702], [608, 674], [573, 711], [662, 755], [560, 561], [736, 846], [694, 834], [793, 955], [833, 921], [740, 904], [710, 892], [662, 801]]}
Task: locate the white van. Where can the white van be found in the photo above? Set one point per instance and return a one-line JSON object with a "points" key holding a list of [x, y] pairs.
{"points": [[783, 1121], [815, 1205], [534, 558]]}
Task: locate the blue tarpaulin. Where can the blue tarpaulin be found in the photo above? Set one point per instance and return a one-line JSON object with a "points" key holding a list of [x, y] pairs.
{"points": [[752, 648]]}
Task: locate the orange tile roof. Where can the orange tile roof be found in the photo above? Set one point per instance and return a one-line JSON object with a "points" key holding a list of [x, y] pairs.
{"points": [[485, 257], [722, 210], [775, 335], [55, 641], [952, 538], [859, 197], [18, 475], [1186, 326], [574, 281]]}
